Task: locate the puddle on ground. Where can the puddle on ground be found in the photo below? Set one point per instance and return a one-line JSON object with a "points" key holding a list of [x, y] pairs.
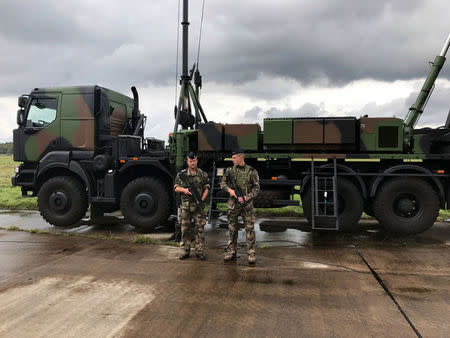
{"points": [[270, 232], [415, 290]]}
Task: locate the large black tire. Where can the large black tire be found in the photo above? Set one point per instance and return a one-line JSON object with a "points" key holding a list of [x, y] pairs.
{"points": [[145, 203], [62, 201], [350, 207], [406, 205]]}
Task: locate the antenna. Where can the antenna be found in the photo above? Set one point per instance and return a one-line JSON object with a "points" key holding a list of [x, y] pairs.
{"points": [[183, 114]]}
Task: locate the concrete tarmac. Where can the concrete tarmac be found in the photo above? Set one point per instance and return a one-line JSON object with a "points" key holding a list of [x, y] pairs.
{"points": [[304, 283]]}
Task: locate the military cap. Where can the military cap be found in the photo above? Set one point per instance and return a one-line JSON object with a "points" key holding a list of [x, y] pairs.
{"points": [[238, 151], [192, 155]]}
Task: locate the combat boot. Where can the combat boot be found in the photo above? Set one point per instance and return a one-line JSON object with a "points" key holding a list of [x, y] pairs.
{"points": [[184, 256], [251, 258], [201, 256], [229, 256]]}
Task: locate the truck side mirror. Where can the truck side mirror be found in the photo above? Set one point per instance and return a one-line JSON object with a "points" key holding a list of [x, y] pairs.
{"points": [[22, 102], [21, 117]]}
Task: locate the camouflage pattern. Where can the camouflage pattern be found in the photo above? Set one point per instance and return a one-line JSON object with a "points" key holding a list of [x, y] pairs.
{"points": [[248, 180], [228, 137], [378, 134], [180, 144], [210, 137], [297, 138], [277, 131], [242, 136], [74, 126], [192, 211], [307, 131]]}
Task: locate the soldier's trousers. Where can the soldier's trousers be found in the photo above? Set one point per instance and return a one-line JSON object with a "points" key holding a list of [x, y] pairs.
{"points": [[248, 214], [198, 215]]}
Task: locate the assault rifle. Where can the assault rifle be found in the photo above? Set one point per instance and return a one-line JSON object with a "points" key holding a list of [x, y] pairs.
{"points": [[192, 190], [237, 189]]}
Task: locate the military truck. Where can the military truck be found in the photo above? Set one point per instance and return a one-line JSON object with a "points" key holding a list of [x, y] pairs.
{"points": [[344, 165], [83, 146]]}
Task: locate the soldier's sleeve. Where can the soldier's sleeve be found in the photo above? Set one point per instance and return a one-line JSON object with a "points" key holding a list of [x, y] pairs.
{"points": [[223, 181], [254, 179], [206, 184], [178, 182]]}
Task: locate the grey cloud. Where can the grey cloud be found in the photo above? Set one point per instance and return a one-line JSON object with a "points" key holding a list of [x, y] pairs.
{"points": [[252, 113], [331, 42], [435, 113], [325, 42], [306, 110], [118, 44]]}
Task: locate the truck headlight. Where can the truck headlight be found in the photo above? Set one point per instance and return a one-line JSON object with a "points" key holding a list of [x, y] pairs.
{"points": [[16, 170]]}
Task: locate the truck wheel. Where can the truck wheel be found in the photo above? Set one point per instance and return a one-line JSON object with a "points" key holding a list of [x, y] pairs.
{"points": [[62, 201], [406, 205], [145, 203], [350, 207]]}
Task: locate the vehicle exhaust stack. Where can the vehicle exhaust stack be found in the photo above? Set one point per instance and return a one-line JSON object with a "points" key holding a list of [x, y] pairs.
{"points": [[135, 112]]}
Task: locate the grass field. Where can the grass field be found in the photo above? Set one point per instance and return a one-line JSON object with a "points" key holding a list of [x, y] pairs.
{"points": [[11, 197]]}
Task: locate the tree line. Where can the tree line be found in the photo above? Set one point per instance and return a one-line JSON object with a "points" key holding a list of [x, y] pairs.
{"points": [[6, 148]]}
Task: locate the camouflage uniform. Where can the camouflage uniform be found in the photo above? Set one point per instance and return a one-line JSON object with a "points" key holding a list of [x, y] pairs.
{"points": [[190, 210], [247, 179]]}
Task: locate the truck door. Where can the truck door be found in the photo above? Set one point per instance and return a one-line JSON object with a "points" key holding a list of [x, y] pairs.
{"points": [[42, 130]]}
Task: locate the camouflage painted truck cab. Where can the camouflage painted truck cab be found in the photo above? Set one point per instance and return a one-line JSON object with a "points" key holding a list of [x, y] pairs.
{"points": [[82, 146]]}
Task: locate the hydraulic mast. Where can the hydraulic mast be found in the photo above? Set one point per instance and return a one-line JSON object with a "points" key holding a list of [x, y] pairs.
{"points": [[417, 108], [188, 96]]}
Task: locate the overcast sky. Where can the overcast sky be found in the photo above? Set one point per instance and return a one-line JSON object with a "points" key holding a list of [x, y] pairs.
{"points": [[258, 58]]}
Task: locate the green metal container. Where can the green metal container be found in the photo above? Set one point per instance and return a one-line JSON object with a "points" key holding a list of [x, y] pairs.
{"points": [[277, 131]]}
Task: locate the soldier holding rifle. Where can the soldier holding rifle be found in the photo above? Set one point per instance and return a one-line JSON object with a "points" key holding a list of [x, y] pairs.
{"points": [[193, 185], [241, 182]]}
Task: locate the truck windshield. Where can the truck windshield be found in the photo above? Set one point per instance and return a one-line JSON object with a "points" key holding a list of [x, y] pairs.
{"points": [[42, 112]]}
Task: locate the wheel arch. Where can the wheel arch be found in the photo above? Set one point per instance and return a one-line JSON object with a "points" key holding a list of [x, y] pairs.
{"points": [[133, 170], [72, 169], [436, 184]]}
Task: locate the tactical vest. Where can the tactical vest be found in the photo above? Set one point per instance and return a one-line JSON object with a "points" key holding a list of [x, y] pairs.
{"points": [[242, 178], [196, 182]]}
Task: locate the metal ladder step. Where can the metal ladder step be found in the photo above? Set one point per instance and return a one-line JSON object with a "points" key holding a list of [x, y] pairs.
{"points": [[324, 197]]}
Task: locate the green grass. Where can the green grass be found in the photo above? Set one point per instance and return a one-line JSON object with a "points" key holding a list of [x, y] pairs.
{"points": [[443, 215], [11, 197], [109, 236], [39, 232], [142, 239], [31, 231]]}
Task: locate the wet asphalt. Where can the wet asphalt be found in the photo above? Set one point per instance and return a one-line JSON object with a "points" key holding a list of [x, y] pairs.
{"points": [[96, 282]]}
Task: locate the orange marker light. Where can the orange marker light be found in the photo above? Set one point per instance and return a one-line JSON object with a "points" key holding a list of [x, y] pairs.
{"points": [[135, 158], [440, 171], [122, 161], [274, 178]]}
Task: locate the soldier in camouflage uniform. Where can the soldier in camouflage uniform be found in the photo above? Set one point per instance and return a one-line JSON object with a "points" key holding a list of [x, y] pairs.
{"points": [[192, 178], [247, 179]]}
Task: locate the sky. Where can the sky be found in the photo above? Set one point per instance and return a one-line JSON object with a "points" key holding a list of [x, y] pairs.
{"points": [[258, 58]]}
